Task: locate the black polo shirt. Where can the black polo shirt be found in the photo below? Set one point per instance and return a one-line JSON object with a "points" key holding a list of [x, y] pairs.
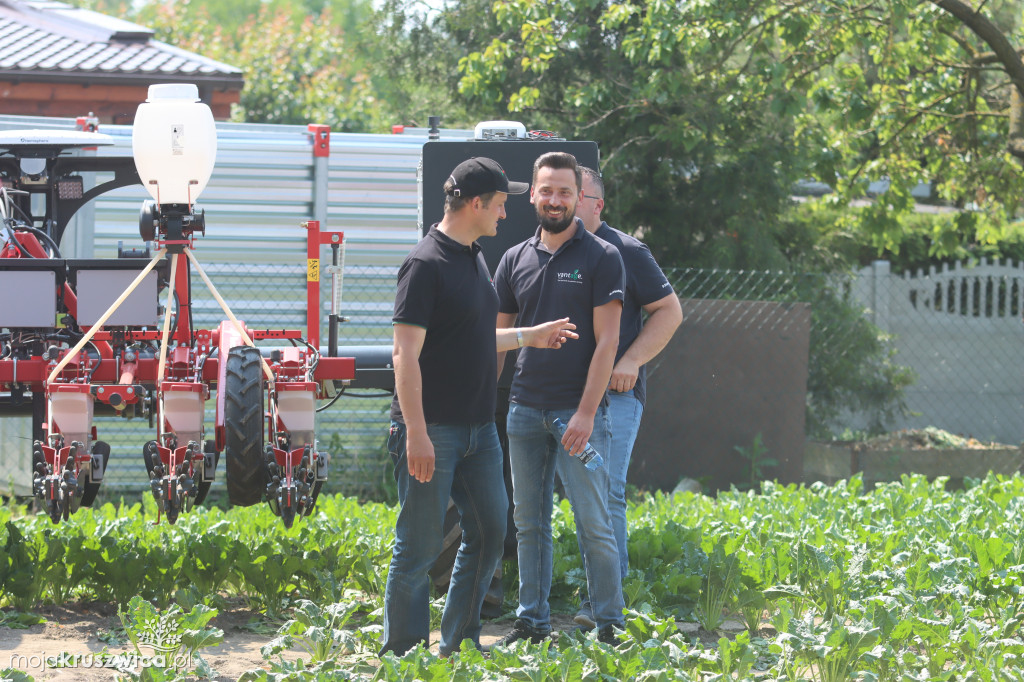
{"points": [[583, 274], [445, 288], [645, 284]]}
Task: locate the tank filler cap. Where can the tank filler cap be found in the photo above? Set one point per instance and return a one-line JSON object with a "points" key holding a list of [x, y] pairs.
{"points": [[180, 91]]}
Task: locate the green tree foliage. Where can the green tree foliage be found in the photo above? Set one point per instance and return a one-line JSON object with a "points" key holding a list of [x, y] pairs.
{"points": [[707, 111], [415, 64], [303, 62], [231, 15], [698, 161]]}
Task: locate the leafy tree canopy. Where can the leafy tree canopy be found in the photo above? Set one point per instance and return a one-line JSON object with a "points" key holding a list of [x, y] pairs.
{"points": [[708, 111], [304, 62]]}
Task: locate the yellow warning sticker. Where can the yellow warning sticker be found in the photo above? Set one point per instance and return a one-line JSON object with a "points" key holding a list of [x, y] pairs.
{"points": [[313, 270]]}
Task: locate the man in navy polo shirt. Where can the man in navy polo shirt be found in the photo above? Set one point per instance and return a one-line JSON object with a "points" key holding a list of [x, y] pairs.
{"points": [[443, 440], [647, 291], [562, 270]]}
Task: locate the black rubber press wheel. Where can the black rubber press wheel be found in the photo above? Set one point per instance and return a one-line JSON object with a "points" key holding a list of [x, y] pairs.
{"points": [[203, 487], [243, 427], [102, 449]]}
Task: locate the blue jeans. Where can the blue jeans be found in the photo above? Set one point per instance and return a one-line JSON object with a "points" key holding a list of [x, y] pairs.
{"points": [[467, 468], [624, 413], [536, 455]]}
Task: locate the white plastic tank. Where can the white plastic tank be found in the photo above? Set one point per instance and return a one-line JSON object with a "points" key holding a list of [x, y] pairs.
{"points": [[298, 414], [183, 411], [72, 413], [174, 140]]}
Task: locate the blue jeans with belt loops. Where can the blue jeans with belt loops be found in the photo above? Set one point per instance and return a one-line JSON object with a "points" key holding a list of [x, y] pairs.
{"points": [[467, 468], [536, 455]]}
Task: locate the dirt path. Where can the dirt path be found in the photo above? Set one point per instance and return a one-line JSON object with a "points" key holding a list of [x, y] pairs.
{"points": [[84, 629], [87, 629]]}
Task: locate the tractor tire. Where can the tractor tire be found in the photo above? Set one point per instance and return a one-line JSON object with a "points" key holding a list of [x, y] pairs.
{"points": [[91, 488], [245, 470]]}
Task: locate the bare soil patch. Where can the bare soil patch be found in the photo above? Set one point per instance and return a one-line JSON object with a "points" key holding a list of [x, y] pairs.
{"points": [[82, 629], [86, 628]]}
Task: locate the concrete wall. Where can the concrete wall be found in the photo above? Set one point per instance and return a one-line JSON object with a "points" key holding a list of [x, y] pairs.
{"points": [[734, 369]]}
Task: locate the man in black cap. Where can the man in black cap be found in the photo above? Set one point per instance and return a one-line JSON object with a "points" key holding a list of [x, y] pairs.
{"points": [[443, 440]]}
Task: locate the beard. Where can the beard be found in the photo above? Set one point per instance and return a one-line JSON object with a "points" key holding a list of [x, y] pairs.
{"points": [[557, 225]]}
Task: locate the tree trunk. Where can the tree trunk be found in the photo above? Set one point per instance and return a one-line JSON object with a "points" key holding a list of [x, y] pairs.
{"points": [[1006, 55]]}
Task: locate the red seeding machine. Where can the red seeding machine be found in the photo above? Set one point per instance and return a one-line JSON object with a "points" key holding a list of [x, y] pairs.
{"points": [[81, 335]]}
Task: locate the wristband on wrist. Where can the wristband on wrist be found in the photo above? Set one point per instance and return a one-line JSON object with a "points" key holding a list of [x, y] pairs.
{"points": [[519, 337]]}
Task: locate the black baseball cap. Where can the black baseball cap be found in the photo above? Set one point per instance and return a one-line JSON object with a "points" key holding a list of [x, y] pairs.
{"points": [[481, 175]]}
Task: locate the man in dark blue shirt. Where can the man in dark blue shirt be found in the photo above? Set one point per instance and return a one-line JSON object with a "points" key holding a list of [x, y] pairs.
{"points": [[443, 439], [563, 271], [647, 291]]}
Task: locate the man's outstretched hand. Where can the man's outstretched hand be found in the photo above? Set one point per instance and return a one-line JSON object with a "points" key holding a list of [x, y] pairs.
{"points": [[550, 334]]}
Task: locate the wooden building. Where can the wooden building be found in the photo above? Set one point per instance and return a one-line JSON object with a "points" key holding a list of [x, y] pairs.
{"points": [[64, 61]]}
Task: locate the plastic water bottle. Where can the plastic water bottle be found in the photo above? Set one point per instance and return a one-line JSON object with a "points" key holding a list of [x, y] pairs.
{"points": [[590, 457]]}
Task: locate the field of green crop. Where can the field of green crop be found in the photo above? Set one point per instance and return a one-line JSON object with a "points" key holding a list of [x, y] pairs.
{"points": [[905, 582]]}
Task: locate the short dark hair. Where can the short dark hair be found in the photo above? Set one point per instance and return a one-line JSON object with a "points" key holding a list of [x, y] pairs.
{"points": [[453, 203], [558, 161], [595, 178]]}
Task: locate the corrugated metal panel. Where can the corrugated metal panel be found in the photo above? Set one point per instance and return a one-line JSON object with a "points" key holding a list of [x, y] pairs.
{"points": [[8, 122], [262, 190]]}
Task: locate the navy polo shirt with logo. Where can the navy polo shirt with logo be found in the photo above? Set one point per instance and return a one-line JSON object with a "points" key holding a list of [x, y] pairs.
{"points": [[645, 284], [445, 288], [538, 286]]}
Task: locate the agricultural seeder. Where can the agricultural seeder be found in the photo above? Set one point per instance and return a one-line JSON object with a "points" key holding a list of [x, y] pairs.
{"points": [[81, 335]]}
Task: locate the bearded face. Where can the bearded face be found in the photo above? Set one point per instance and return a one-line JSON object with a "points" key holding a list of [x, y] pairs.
{"points": [[556, 219], [554, 197]]}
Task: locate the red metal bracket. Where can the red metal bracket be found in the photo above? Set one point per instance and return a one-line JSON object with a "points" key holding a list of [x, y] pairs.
{"points": [[335, 368], [321, 139], [118, 396], [314, 240]]}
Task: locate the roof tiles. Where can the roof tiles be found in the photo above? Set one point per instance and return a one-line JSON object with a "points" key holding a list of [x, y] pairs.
{"points": [[47, 40]]}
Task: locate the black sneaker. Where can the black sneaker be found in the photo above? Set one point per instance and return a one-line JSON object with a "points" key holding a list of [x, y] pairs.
{"points": [[609, 634], [521, 630]]}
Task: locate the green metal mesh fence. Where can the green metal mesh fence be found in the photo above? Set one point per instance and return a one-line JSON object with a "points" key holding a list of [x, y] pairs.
{"points": [[891, 351], [886, 351], [352, 430]]}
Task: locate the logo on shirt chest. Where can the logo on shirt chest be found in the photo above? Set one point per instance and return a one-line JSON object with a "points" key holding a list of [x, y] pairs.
{"points": [[574, 277]]}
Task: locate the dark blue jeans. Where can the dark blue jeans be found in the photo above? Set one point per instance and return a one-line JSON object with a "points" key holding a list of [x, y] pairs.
{"points": [[467, 468]]}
